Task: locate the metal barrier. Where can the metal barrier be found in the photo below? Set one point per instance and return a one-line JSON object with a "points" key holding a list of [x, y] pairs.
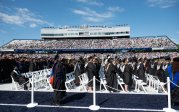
{"points": [[96, 107]]}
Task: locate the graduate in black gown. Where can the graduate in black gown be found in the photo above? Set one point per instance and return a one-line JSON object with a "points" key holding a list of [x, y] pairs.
{"points": [[59, 81], [78, 70], [127, 74], [141, 70], [110, 72], [118, 67], [91, 71], [160, 72], [150, 67]]}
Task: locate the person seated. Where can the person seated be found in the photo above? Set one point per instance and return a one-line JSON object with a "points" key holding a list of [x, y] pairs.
{"points": [[19, 78]]}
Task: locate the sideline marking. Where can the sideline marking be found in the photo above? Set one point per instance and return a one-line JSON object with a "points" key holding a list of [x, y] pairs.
{"points": [[82, 107]]}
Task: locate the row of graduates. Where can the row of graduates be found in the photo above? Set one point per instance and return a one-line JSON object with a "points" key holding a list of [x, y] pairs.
{"points": [[139, 67], [124, 68], [107, 71]]}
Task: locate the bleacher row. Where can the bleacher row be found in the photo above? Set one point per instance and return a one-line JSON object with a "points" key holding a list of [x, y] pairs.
{"points": [[41, 82], [140, 42]]}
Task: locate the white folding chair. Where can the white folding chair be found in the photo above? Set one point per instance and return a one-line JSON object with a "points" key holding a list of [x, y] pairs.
{"points": [[69, 83], [139, 83], [120, 82], [159, 85], [83, 81], [103, 83]]}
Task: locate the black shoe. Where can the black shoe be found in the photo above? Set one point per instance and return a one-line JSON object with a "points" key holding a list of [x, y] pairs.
{"points": [[25, 88], [58, 103]]}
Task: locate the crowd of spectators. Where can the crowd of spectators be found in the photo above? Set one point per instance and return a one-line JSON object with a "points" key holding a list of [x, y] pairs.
{"points": [[38, 44], [153, 42], [160, 42]]}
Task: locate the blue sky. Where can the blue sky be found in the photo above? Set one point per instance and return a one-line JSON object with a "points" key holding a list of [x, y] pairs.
{"points": [[23, 19]]}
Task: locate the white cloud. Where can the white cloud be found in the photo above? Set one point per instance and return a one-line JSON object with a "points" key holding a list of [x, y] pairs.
{"points": [[161, 3], [91, 2], [116, 9], [81, 12], [33, 25], [22, 16], [94, 16], [10, 19], [92, 19]]}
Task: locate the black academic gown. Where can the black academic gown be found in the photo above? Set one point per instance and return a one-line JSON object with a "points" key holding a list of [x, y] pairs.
{"points": [[141, 72], [77, 73], [111, 77], [59, 81], [135, 70], [119, 72], [161, 74], [91, 71], [127, 74], [150, 69]]}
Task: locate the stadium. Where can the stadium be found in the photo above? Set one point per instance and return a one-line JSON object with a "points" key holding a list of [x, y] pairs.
{"points": [[148, 58]]}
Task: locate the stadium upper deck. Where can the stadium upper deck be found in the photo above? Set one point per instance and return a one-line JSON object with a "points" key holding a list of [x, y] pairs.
{"points": [[118, 31]]}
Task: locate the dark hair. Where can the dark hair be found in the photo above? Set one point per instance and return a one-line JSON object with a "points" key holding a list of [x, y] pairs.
{"points": [[89, 58], [124, 60], [56, 57], [110, 60], [176, 59], [175, 65]]}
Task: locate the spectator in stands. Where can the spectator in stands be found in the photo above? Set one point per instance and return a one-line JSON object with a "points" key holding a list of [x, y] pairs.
{"points": [[153, 42]]}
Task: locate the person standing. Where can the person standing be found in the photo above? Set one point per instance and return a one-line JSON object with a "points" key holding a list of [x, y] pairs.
{"points": [[173, 73], [110, 73], [91, 71], [141, 70], [59, 74], [127, 74]]}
